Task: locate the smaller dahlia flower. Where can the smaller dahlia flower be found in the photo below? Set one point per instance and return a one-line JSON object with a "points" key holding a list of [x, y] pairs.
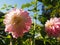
{"points": [[52, 27], [17, 22]]}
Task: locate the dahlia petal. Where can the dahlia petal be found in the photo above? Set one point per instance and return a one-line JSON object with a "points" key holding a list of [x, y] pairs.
{"points": [[52, 27], [17, 22]]}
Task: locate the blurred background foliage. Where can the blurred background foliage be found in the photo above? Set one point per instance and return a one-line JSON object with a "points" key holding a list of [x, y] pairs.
{"points": [[36, 35]]}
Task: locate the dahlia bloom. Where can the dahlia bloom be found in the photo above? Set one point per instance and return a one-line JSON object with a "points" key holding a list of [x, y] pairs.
{"points": [[17, 22], [52, 27]]}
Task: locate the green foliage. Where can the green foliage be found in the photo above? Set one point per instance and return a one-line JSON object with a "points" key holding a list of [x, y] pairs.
{"points": [[26, 5], [49, 2], [7, 7], [37, 34]]}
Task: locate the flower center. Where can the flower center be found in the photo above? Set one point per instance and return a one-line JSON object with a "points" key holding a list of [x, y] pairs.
{"points": [[16, 19]]}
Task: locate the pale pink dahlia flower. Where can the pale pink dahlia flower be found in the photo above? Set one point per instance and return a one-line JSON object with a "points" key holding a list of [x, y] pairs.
{"points": [[17, 22], [52, 27]]}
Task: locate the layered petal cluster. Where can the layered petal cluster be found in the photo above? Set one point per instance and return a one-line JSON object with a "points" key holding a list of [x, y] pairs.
{"points": [[17, 22], [52, 27]]}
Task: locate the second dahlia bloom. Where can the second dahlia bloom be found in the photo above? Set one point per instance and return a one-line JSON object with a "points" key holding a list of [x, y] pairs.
{"points": [[52, 27], [17, 22]]}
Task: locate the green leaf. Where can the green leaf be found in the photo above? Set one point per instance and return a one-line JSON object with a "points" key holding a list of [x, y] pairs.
{"points": [[9, 5], [8, 36], [7, 41], [3, 8], [26, 5], [5, 5], [15, 5]]}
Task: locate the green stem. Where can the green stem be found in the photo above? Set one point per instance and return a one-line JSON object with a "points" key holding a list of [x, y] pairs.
{"points": [[11, 41], [34, 24]]}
